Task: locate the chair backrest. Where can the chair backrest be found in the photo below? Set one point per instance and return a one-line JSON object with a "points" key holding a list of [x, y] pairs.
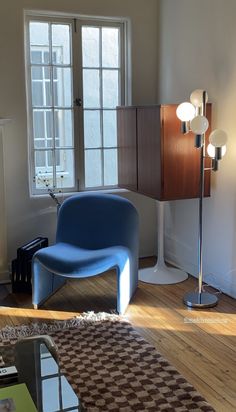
{"points": [[95, 221]]}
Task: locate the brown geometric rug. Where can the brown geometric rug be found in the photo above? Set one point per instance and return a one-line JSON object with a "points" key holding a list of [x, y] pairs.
{"points": [[112, 368]]}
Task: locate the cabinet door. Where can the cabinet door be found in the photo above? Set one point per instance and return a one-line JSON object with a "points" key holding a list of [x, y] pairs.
{"points": [[127, 148], [149, 151], [181, 159]]}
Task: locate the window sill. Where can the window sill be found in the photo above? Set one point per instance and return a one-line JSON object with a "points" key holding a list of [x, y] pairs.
{"points": [[67, 194]]}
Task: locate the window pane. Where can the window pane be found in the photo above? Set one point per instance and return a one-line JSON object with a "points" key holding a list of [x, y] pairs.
{"points": [[38, 124], [70, 399], [49, 143], [37, 73], [62, 87], [47, 94], [40, 159], [49, 123], [110, 47], [39, 143], [109, 128], [37, 94], [110, 88], [61, 44], [41, 90], [46, 73], [110, 167], [39, 42], [93, 168], [92, 129], [48, 366], [65, 168], [91, 88], [50, 395], [90, 46], [42, 126], [63, 128]]}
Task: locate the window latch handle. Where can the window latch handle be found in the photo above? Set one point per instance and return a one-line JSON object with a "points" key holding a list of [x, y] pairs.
{"points": [[78, 102]]}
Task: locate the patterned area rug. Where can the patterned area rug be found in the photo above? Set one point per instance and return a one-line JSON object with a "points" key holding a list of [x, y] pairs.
{"points": [[112, 368]]}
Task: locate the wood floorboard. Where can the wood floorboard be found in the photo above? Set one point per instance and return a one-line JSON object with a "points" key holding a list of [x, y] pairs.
{"points": [[201, 344]]}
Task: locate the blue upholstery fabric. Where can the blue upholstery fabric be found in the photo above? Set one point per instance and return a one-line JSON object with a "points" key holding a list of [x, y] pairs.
{"points": [[95, 232]]}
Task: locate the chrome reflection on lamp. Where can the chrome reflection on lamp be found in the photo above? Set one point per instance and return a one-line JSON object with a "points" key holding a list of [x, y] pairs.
{"points": [[216, 149]]}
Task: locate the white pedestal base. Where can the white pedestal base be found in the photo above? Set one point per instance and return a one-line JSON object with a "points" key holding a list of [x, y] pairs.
{"points": [[162, 275]]}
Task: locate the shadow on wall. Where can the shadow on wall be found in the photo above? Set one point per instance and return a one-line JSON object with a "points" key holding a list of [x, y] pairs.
{"points": [[37, 223]]}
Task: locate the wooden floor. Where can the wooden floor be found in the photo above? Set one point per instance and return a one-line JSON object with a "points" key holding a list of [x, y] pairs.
{"points": [[200, 344]]}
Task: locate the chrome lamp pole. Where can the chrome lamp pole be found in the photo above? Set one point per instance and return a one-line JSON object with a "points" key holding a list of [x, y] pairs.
{"points": [[193, 117]]}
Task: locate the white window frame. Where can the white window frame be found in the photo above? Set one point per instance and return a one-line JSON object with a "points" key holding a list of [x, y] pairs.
{"points": [[121, 75], [44, 80], [76, 20]]}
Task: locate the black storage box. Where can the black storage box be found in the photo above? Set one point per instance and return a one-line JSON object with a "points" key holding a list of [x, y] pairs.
{"points": [[21, 266]]}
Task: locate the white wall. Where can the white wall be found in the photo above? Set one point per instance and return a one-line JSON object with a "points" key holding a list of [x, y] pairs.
{"points": [[26, 218], [198, 50]]}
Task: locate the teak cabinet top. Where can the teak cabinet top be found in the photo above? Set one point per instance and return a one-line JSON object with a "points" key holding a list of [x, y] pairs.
{"points": [[154, 157]]}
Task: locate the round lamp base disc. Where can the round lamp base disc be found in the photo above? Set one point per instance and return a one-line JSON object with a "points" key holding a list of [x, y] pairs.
{"points": [[200, 300], [162, 275]]}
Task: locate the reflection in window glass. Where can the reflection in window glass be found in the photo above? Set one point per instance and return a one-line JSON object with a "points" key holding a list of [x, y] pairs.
{"points": [[40, 160], [52, 103], [65, 167], [39, 36], [93, 168], [63, 128], [61, 44], [62, 87]]}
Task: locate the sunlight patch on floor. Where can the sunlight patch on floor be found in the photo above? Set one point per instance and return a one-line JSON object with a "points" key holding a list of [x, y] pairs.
{"points": [[37, 314], [183, 320]]}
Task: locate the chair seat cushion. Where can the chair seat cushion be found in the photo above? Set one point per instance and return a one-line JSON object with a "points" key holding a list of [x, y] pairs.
{"points": [[72, 261]]}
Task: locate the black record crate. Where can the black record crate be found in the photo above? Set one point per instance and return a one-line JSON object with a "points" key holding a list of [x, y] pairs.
{"points": [[21, 266]]}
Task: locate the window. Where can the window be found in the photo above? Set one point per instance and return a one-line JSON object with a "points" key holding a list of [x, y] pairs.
{"points": [[76, 78]]}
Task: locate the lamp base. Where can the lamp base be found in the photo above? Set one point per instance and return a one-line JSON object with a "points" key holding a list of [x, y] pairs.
{"points": [[200, 300], [162, 275]]}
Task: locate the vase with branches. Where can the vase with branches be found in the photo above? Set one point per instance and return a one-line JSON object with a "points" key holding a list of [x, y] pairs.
{"points": [[43, 179]]}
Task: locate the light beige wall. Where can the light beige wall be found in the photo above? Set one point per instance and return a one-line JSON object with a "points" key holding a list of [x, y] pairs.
{"points": [[198, 50], [26, 218]]}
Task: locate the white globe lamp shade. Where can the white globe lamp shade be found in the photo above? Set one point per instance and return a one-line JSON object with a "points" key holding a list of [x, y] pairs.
{"points": [[185, 111], [196, 97], [211, 150], [218, 138], [199, 124]]}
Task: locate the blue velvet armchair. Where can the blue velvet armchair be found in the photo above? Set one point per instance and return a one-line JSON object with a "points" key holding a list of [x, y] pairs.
{"points": [[95, 232]]}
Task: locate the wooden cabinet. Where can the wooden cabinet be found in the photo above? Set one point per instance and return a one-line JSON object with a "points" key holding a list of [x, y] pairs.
{"points": [[154, 157]]}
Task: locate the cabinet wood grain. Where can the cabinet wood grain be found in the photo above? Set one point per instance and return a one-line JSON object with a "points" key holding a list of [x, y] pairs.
{"points": [[154, 157]]}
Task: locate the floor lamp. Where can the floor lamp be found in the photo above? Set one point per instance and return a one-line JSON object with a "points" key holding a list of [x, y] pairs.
{"points": [[193, 118]]}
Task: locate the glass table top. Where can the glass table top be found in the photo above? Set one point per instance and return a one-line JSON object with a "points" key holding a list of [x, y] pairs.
{"points": [[39, 369]]}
